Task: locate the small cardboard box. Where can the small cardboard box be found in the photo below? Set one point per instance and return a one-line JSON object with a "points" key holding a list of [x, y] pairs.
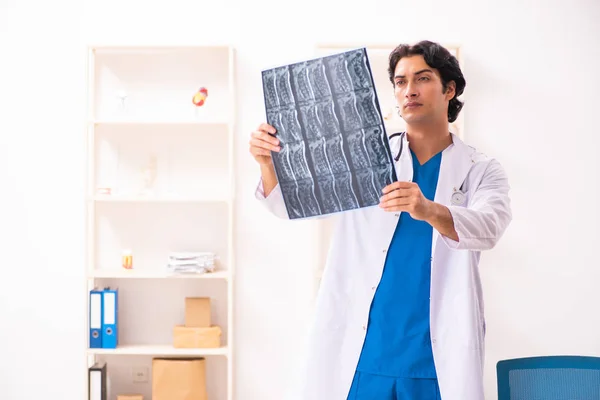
{"points": [[179, 379], [130, 397], [185, 337], [197, 312]]}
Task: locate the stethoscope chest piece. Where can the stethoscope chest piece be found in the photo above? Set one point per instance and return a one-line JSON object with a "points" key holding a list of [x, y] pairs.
{"points": [[458, 198]]}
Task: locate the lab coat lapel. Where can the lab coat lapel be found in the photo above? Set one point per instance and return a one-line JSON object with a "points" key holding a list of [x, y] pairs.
{"points": [[456, 164]]}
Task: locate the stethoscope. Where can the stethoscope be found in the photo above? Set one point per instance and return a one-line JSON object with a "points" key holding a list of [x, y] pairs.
{"points": [[458, 196], [401, 134]]}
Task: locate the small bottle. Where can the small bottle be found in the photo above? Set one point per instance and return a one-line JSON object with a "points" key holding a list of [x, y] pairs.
{"points": [[127, 259]]}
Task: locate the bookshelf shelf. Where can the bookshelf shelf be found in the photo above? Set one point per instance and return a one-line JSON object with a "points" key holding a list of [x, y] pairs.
{"points": [[137, 274], [173, 123], [159, 350], [161, 199]]}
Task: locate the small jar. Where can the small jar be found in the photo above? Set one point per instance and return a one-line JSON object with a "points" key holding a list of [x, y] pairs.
{"points": [[127, 259]]}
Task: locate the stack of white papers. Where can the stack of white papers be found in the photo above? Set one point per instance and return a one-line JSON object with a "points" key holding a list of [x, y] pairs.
{"points": [[191, 262]]}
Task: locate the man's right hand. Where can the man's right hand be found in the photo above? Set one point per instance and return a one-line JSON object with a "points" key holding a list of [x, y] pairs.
{"points": [[262, 143]]}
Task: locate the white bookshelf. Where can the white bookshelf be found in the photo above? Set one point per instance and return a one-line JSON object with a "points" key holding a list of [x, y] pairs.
{"points": [[169, 167]]}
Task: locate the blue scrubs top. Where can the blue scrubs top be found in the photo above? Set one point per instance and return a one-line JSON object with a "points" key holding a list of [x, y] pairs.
{"points": [[397, 343]]}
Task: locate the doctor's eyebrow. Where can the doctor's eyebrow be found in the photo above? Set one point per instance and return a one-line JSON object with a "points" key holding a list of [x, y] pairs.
{"points": [[416, 73]]}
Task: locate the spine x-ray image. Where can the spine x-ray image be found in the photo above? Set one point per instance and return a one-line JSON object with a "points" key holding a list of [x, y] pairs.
{"points": [[335, 154]]}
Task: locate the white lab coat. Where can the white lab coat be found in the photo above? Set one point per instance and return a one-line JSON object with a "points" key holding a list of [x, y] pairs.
{"points": [[355, 264]]}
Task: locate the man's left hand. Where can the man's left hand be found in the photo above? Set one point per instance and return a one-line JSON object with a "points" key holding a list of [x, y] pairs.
{"points": [[406, 196]]}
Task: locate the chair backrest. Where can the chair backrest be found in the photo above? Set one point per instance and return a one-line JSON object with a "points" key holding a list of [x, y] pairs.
{"points": [[549, 378]]}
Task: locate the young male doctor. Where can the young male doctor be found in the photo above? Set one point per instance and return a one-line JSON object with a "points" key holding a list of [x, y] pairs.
{"points": [[400, 311]]}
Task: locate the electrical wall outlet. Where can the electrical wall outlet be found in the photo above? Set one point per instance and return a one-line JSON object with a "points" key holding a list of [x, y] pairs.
{"points": [[139, 374]]}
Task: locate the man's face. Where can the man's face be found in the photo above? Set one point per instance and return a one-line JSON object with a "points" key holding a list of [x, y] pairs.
{"points": [[419, 91]]}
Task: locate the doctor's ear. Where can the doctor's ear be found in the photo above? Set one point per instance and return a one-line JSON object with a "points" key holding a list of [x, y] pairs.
{"points": [[450, 90]]}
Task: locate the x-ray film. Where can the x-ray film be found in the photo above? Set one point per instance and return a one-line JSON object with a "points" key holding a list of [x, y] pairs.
{"points": [[335, 154]]}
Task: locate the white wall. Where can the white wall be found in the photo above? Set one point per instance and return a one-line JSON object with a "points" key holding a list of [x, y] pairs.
{"points": [[532, 73]]}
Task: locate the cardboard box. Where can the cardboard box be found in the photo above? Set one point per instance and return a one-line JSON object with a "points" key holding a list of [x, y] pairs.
{"points": [[197, 312], [130, 397], [179, 379], [190, 337]]}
